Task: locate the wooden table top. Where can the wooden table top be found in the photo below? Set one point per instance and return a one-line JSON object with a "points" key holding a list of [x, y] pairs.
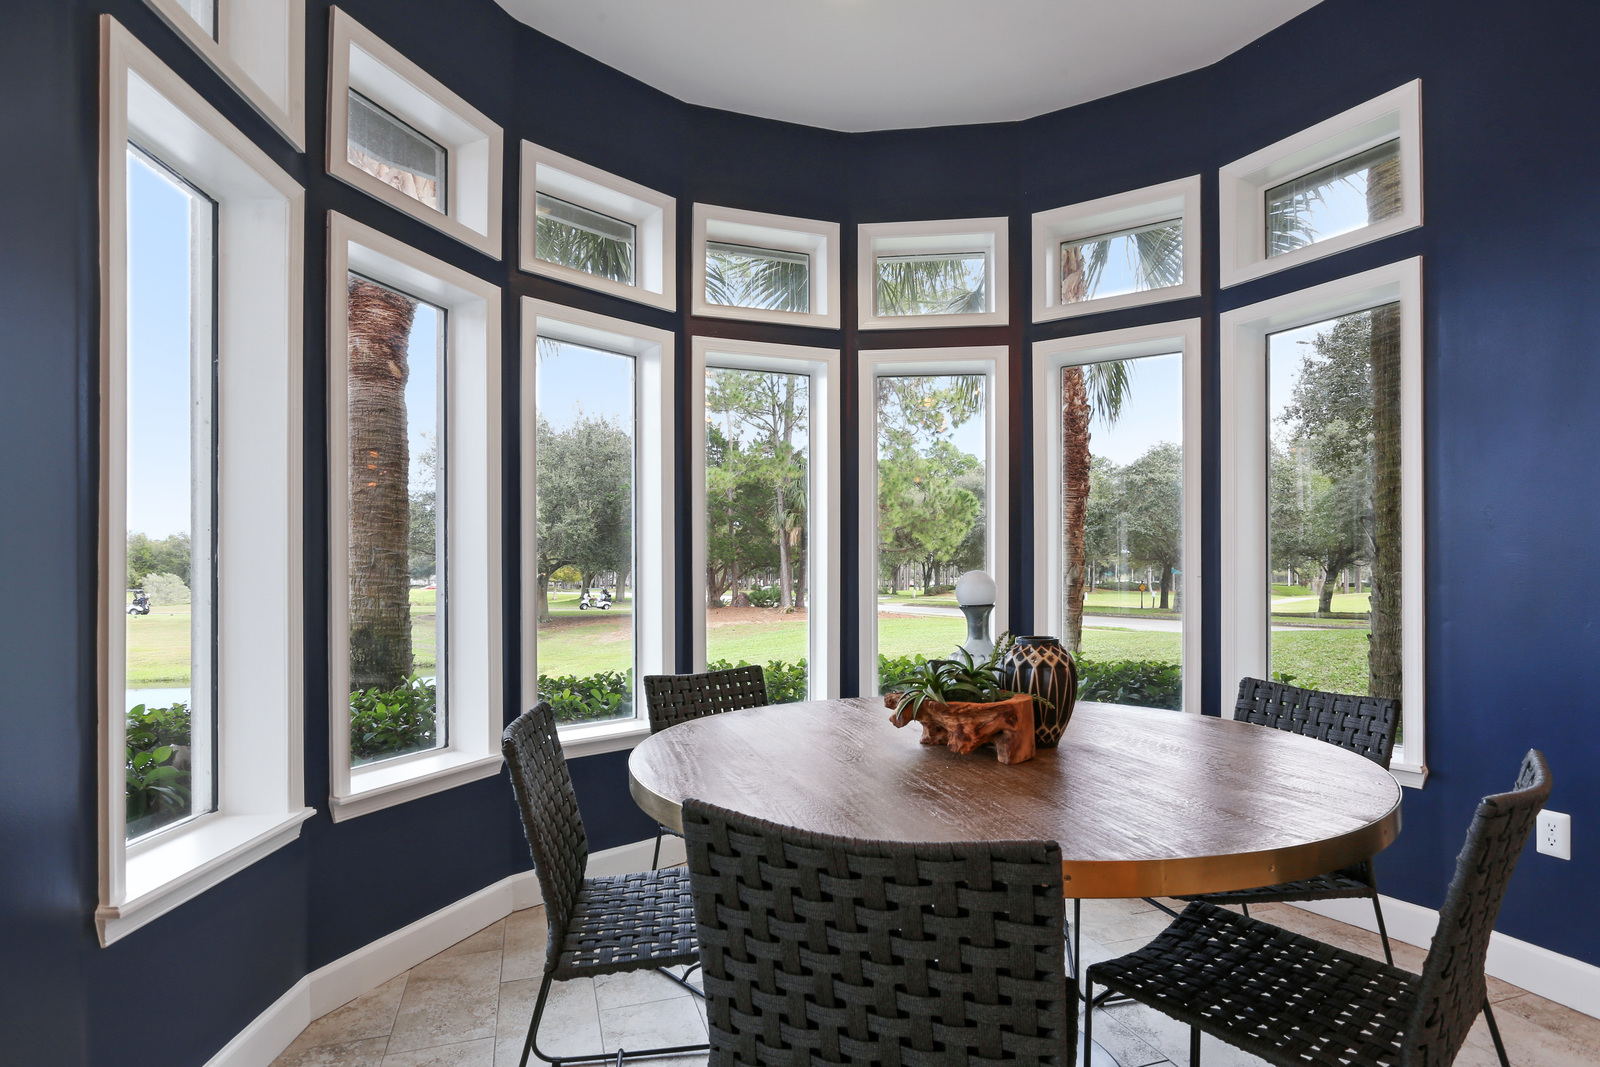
{"points": [[1142, 802]]}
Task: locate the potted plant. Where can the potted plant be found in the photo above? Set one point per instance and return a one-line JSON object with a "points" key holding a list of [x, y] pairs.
{"points": [[963, 703]]}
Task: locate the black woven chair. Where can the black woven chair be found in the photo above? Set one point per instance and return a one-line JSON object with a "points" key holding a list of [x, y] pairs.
{"points": [[596, 925], [675, 698], [1364, 725], [1294, 1000], [821, 949]]}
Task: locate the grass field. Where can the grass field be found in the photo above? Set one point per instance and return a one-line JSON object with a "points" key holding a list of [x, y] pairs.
{"points": [[586, 642]]}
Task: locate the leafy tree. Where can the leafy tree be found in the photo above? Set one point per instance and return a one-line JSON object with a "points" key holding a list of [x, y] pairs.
{"points": [[423, 542], [585, 501], [739, 514], [932, 285], [1152, 504], [745, 277], [1102, 519], [170, 555], [166, 589]]}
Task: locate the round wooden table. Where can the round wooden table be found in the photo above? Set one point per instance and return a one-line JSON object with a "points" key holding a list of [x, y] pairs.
{"points": [[1144, 803]]}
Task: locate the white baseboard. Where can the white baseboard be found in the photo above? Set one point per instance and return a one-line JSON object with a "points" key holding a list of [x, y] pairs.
{"points": [[1528, 966], [368, 967]]}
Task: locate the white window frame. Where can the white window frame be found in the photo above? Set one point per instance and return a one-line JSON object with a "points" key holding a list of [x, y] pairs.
{"points": [[260, 50], [818, 239], [655, 506], [991, 361], [260, 677], [653, 215], [1245, 431], [1121, 211], [1242, 184], [822, 367], [990, 236], [358, 59], [1049, 359], [474, 699]]}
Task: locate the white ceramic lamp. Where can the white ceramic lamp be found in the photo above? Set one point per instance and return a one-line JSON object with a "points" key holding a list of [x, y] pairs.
{"points": [[975, 592]]}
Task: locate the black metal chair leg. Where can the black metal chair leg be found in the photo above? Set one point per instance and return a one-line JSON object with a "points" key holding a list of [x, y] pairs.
{"points": [[1194, 1046], [684, 980], [1088, 1019], [1244, 909], [531, 1043], [1383, 931], [1074, 938], [1154, 903], [655, 858], [1494, 1032]]}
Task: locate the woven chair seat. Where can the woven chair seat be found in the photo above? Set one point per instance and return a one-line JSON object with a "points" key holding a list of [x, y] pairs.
{"points": [[629, 922], [1348, 882], [1286, 998]]}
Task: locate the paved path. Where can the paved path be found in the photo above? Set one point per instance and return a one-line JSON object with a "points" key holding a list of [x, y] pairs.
{"points": [[1090, 622]]}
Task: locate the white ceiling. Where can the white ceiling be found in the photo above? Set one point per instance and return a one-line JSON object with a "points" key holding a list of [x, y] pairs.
{"points": [[895, 64]]}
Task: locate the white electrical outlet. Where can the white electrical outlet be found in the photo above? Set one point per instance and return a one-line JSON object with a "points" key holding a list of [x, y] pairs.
{"points": [[1555, 834]]}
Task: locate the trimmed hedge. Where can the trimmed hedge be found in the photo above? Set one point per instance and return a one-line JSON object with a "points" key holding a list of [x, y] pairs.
{"points": [[1142, 683]]}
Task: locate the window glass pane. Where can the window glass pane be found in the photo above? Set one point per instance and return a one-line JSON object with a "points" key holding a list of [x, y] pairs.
{"points": [[399, 587], [1122, 523], [932, 513], [1333, 503], [396, 153], [949, 283], [204, 12], [585, 493], [758, 534], [1345, 196], [769, 279], [585, 240], [170, 477], [1128, 261]]}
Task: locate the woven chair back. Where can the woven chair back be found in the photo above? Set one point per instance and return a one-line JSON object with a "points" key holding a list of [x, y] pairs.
{"points": [[827, 949], [550, 817], [1452, 989], [675, 698], [1364, 725]]}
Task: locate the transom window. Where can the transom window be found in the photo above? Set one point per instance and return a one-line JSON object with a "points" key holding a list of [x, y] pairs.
{"points": [[768, 279], [1355, 192], [398, 581], [170, 484], [397, 153], [585, 581], [574, 236], [1126, 261]]}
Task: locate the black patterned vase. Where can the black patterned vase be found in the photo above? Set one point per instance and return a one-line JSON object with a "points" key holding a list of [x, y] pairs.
{"points": [[1042, 667]]}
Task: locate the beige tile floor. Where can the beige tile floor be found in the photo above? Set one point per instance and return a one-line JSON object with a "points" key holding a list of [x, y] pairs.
{"points": [[469, 1006]]}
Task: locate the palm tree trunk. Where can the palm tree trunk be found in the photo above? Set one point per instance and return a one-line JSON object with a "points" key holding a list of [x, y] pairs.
{"points": [[1166, 585], [1383, 655], [1075, 416], [380, 468]]}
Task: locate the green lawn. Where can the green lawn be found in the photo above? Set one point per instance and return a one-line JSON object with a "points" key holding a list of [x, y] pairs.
{"points": [[158, 646], [1353, 603]]}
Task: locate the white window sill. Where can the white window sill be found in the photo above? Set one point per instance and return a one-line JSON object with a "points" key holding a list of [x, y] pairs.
{"points": [[591, 739], [179, 867], [1409, 774], [386, 784]]}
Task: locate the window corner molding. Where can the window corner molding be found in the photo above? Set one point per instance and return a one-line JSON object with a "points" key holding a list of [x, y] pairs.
{"points": [[1107, 215], [261, 53], [1242, 184], [361, 61], [654, 216], [990, 236], [811, 237]]}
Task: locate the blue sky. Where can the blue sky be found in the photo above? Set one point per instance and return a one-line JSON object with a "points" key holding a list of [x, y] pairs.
{"points": [[1151, 413], [158, 352], [1286, 354], [422, 387], [575, 380]]}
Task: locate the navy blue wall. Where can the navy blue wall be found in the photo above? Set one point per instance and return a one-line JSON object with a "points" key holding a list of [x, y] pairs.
{"points": [[1511, 259]]}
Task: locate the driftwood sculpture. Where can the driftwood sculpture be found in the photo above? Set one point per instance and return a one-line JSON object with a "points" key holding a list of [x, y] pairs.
{"points": [[963, 726]]}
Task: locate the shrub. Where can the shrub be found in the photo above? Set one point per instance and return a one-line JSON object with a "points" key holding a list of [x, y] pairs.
{"points": [[390, 722], [896, 671], [1141, 683], [157, 772], [607, 695], [786, 682], [765, 597], [166, 589]]}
